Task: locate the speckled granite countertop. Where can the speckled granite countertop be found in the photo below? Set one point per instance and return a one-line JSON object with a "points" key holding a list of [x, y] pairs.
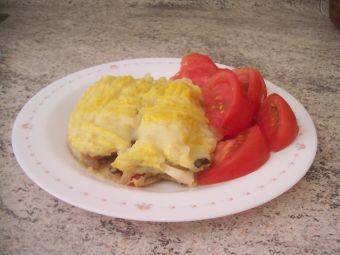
{"points": [[292, 42]]}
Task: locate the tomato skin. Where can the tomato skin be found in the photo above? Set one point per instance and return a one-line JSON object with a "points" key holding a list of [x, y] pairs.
{"points": [[254, 85], [278, 122], [226, 104], [236, 157], [196, 67]]}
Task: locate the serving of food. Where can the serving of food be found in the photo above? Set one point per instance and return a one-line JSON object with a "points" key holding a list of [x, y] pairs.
{"points": [[139, 131], [164, 139], [203, 126]]}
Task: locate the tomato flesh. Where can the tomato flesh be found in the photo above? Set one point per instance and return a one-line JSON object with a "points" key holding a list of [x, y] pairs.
{"points": [[277, 122], [196, 67], [226, 104], [236, 157], [253, 83]]}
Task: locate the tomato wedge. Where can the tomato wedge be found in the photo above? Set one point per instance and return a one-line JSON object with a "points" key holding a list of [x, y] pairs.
{"points": [[226, 104], [277, 122], [196, 67], [254, 85], [236, 157]]}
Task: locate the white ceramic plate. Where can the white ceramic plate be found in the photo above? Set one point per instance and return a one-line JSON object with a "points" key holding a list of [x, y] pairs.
{"points": [[39, 143]]}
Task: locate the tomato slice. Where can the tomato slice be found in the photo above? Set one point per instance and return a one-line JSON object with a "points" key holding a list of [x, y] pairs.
{"points": [[196, 59], [236, 157], [277, 122], [254, 85], [226, 104], [196, 67]]}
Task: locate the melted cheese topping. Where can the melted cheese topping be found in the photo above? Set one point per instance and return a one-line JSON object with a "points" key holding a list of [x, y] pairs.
{"points": [[154, 126]]}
